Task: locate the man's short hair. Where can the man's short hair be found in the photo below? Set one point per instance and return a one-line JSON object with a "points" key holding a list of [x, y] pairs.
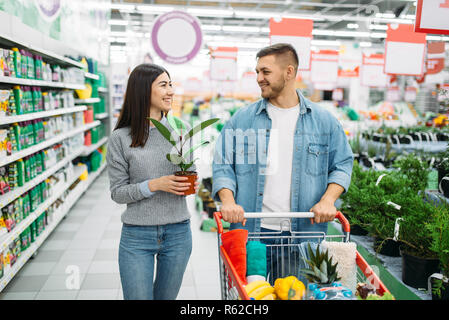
{"points": [[281, 49]]}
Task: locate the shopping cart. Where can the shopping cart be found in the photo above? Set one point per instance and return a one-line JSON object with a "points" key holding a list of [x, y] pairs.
{"points": [[232, 287]]}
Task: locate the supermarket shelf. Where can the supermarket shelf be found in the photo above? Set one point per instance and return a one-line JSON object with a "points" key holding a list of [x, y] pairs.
{"points": [[89, 149], [11, 196], [40, 83], [102, 89], [100, 116], [47, 143], [48, 55], [57, 217], [58, 190], [87, 101], [92, 76], [38, 115]]}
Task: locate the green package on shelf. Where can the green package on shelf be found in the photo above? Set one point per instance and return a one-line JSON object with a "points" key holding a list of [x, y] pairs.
{"points": [[94, 135]]}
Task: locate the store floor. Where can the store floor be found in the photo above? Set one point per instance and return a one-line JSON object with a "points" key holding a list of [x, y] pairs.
{"points": [[87, 241]]}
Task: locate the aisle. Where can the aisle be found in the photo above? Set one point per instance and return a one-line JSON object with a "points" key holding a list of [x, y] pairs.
{"points": [[86, 243]]}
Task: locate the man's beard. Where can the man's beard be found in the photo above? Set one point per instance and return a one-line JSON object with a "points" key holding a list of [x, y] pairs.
{"points": [[276, 89]]}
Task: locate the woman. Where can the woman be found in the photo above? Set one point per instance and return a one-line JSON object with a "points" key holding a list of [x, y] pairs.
{"points": [[156, 223]]}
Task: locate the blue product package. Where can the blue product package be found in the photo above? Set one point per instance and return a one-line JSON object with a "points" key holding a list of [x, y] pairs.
{"points": [[256, 258]]}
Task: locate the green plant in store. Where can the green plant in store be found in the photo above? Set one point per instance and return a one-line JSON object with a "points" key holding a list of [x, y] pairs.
{"points": [[415, 170], [418, 211], [178, 137], [439, 230]]}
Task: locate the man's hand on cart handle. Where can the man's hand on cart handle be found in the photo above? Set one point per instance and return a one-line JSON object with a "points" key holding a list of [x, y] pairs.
{"points": [[324, 211], [232, 213]]}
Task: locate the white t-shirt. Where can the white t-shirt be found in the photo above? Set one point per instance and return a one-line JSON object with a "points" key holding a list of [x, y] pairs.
{"points": [[276, 196]]}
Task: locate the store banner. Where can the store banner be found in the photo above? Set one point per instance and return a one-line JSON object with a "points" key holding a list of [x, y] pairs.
{"points": [[298, 33], [324, 67], [223, 63], [432, 16], [435, 57], [176, 37], [350, 59], [404, 50], [372, 73]]}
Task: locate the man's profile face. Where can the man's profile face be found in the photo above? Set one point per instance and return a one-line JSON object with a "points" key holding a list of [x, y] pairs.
{"points": [[270, 76]]}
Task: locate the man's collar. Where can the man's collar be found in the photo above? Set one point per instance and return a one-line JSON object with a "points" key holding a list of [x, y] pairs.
{"points": [[303, 104]]}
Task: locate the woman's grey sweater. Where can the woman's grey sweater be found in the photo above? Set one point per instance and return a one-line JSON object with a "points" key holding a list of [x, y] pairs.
{"points": [[130, 169]]}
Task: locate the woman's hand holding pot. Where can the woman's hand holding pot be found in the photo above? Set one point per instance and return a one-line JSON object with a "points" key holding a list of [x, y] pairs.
{"points": [[173, 184]]}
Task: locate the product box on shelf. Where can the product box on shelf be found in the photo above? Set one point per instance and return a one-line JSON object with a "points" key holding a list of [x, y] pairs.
{"points": [[4, 102], [4, 180], [1, 264], [7, 63], [25, 239]]}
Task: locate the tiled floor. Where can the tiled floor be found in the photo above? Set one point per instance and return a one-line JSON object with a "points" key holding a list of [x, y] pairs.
{"points": [[79, 259]]}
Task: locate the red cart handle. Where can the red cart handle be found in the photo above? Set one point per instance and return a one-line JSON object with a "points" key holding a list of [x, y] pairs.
{"points": [[344, 222]]}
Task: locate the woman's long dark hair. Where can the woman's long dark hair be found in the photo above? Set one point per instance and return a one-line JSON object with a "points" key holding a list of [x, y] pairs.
{"points": [[136, 105]]}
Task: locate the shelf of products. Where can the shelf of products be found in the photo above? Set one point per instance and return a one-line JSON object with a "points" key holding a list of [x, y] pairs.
{"points": [[56, 216], [47, 143], [39, 115], [87, 101]]}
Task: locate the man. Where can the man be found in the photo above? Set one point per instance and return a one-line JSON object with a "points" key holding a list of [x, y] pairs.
{"points": [[295, 157]]}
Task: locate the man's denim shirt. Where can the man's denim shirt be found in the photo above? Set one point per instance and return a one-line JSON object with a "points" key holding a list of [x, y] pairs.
{"points": [[321, 155]]}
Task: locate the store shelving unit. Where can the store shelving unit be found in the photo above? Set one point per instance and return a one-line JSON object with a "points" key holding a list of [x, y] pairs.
{"points": [[40, 83], [87, 101], [47, 143], [42, 114], [89, 149], [58, 215], [60, 189]]}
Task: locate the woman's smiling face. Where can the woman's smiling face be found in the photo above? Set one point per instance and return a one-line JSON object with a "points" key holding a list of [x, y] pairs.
{"points": [[162, 93]]}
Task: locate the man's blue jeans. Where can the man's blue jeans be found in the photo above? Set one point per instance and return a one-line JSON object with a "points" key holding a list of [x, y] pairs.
{"points": [[170, 244]]}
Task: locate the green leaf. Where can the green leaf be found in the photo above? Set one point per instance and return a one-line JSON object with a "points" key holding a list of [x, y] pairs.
{"points": [[202, 143], [177, 124], [163, 130], [187, 167], [175, 159], [199, 128]]}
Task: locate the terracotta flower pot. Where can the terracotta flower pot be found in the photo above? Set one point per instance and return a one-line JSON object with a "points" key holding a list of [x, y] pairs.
{"points": [[192, 177]]}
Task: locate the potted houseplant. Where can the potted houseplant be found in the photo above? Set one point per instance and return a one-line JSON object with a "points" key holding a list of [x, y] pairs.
{"points": [[439, 230], [178, 136]]}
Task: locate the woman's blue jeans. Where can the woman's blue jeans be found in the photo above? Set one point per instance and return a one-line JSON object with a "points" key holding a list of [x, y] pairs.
{"points": [[170, 245]]}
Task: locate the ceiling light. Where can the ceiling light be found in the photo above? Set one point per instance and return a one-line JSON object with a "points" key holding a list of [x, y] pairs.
{"points": [[365, 44], [378, 35], [121, 6], [234, 44], [211, 12], [118, 22], [154, 9], [241, 29], [378, 27], [335, 43], [351, 34], [210, 27], [386, 15], [352, 26]]}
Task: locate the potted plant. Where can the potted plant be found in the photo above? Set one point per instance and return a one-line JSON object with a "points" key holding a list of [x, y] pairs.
{"points": [[439, 230], [178, 136], [418, 260]]}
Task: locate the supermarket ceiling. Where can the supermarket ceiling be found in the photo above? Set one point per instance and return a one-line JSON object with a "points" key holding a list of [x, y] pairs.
{"points": [[246, 21]]}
